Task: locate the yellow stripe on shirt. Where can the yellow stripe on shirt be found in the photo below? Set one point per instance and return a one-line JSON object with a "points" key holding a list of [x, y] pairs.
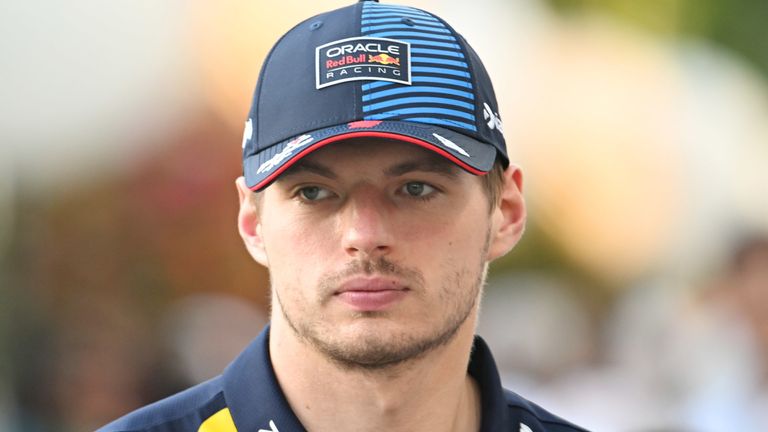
{"points": [[219, 422]]}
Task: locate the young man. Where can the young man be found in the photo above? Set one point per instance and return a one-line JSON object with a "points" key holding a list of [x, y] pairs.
{"points": [[376, 190]]}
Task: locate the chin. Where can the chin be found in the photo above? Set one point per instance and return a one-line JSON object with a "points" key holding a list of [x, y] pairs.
{"points": [[371, 343], [376, 348]]}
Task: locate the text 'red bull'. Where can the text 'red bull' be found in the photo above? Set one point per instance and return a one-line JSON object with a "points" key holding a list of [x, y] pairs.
{"points": [[347, 60]]}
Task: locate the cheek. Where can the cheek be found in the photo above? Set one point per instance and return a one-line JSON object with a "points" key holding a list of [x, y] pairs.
{"points": [[451, 229], [294, 247], [443, 246]]}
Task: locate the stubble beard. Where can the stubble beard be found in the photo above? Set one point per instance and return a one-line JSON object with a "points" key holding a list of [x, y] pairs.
{"points": [[459, 295]]}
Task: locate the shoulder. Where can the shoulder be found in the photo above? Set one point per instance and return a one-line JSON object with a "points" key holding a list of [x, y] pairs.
{"points": [[534, 417], [183, 411]]}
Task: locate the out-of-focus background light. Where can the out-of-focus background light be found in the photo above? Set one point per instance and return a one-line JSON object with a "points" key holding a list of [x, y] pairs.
{"points": [[636, 300]]}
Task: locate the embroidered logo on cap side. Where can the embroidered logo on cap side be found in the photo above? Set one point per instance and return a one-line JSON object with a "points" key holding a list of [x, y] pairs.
{"points": [[452, 145], [494, 121], [290, 148], [362, 58]]}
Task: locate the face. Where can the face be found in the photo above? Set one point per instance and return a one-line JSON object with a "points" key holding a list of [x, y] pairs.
{"points": [[377, 250]]}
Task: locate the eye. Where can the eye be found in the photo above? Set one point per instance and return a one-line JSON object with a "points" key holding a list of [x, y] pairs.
{"points": [[418, 189], [313, 193]]}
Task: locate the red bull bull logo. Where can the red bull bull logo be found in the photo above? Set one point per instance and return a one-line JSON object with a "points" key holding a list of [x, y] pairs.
{"points": [[384, 59]]}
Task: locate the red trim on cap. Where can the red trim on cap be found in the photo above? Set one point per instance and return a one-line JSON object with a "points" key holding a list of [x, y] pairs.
{"points": [[366, 134], [364, 124]]}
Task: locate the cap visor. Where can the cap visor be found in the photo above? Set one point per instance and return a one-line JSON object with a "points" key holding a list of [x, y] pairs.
{"points": [[475, 157]]}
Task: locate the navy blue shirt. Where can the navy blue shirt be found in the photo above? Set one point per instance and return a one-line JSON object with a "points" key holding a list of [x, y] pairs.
{"points": [[247, 398]]}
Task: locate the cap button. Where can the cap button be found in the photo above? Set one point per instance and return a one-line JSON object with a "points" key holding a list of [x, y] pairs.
{"points": [[360, 1]]}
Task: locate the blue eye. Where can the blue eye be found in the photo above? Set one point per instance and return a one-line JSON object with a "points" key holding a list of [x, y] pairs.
{"points": [[313, 193], [418, 189]]}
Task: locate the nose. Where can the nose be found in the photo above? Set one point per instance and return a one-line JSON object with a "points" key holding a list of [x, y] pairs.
{"points": [[366, 226]]}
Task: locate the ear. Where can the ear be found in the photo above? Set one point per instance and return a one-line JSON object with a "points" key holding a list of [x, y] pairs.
{"points": [[508, 218], [249, 223]]}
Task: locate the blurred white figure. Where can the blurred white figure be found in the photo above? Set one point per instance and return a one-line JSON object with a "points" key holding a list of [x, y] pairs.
{"points": [[206, 331], [700, 360], [542, 334], [536, 324], [626, 388], [727, 345]]}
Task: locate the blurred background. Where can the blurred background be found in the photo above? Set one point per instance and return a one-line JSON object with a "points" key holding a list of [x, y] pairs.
{"points": [[637, 300]]}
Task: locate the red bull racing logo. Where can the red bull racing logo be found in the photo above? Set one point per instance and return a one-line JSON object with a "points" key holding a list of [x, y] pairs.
{"points": [[363, 58], [384, 59]]}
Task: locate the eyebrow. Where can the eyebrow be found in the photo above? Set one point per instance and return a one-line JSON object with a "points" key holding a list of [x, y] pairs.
{"points": [[424, 165], [307, 166]]}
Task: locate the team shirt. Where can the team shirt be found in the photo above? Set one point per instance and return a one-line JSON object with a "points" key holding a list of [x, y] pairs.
{"points": [[246, 397]]}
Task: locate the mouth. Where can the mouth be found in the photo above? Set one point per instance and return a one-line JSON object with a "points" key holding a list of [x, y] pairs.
{"points": [[371, 294]]}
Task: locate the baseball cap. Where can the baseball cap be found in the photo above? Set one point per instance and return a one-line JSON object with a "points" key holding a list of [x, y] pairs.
{"points": [[371, 70]]}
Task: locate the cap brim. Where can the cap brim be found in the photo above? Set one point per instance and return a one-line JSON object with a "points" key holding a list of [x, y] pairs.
{"points": [[263, 168]]}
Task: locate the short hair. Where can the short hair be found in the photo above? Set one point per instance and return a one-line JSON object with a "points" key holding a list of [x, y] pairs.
{"points": [[493, 183]]}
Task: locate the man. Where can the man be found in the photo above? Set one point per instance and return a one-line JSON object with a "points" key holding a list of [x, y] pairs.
{"points": [[376, 190]]}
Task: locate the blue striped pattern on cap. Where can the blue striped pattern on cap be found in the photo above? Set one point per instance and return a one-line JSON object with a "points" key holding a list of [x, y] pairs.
{"points": [[441, 92]]}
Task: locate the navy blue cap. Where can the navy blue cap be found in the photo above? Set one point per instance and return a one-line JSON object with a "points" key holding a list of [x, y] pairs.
{"points": [[371, 70]]}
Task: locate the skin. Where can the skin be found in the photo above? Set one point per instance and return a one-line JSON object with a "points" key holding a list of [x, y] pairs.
{"points": [[388, 216]]}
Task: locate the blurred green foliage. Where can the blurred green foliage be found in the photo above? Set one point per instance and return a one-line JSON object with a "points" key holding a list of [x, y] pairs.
{"points": [[538, 252], [738, 25]]}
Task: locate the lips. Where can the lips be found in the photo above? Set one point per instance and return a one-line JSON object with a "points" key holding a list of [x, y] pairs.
{"points": [[371, 294]]}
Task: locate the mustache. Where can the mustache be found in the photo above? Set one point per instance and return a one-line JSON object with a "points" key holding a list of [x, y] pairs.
{"points": [[382, 266]]}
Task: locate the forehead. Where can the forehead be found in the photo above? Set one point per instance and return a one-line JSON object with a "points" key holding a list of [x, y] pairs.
{"points": [[373, 155]]}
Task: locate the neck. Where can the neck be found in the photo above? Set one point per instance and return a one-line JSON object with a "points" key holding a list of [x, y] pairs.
{"points": [[433, 392]]}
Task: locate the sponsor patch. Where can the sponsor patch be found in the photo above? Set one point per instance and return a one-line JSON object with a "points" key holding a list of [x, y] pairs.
{"points": [[362, 58]]}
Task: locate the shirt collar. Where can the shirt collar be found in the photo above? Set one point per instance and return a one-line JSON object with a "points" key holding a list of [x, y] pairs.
{"points": [[252, 393], [482, 368], [254, 396]]}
